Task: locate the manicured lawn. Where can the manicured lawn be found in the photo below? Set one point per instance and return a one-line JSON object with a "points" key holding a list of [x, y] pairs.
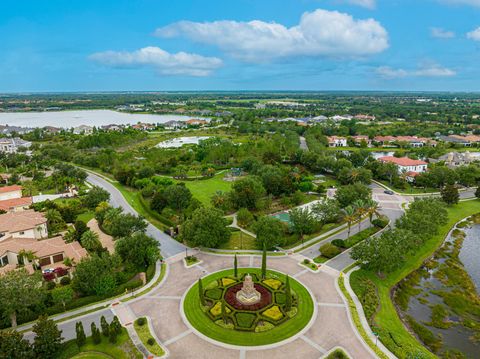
{"points": [[393, 333], [122, 349], [143, 332], [204, 189], [240, 240], [86, 216], [204, 324]]}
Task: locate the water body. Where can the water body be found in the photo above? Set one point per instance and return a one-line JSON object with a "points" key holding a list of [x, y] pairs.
{"points": [[429, 286], [68, 119], [180, 141]]}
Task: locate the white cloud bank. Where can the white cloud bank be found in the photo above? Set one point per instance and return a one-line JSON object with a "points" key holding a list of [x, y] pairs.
{"points": [[474, 34], [440, 33], [319, 33], [180, 63], [433, 70]]}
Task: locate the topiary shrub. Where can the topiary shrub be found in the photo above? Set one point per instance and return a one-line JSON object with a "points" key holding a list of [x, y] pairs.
{"points": [[65, 280], [51, 285], [151, 341], [141, 321], [339, 243], [306, 261], [329, 250], [380, 222]]}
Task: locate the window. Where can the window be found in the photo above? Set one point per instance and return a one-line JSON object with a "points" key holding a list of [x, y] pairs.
{"points": [[3, 261], [58, 258]]}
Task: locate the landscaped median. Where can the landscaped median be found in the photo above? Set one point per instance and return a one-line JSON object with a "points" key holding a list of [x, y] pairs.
{"points": [[393, 333], [144, 332]]}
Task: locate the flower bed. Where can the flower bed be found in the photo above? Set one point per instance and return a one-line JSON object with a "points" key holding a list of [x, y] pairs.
{"points": [[231, 297]]}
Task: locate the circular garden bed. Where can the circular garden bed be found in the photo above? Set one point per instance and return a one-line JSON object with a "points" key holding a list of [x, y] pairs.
{"points": [[266, 322]]}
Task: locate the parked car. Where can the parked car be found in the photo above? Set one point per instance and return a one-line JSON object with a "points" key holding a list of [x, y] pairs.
{"points": [[387, 191]]}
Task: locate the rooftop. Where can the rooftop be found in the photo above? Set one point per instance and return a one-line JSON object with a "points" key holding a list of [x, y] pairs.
{"points": [[402, 161], [19, 221]]}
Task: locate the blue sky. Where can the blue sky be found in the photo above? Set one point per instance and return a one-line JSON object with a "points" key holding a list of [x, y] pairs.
{"points": [[142, 45]]}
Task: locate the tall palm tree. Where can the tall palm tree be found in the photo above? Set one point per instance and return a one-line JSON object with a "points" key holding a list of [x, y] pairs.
{"points": [[372, 210], [360, 210], [28, 255], [349, 216]]}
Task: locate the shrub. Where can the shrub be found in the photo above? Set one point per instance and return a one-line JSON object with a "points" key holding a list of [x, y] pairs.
{"points": [[50, 284], [65, 280], [141, 321], [96, 337], [245, 320], [339, 243], [244, 217], [105, 326], [215, 294], [151, 341], [350, 242], [273, 313], [380, 222], [329, 250], [306, 261]]}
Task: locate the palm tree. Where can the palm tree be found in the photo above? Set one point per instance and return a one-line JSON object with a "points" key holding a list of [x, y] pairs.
{"points": [[360, 210], [349, 216], [28, 255], [372, 209]]}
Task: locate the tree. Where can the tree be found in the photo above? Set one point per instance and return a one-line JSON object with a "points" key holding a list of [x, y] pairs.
{"points": [[264, 260], [80, 228], [19, 291], [288, 295], [90, 241], [96, 274], [55, 222], [269, 231], [96, 337], [62, 295], [244, 217], [326, 211], [235, 267], [139, 249], [80, 337], [349, 216], [302, 221], [200, 292], [115, 325], [477, 191], [112, 336], [360, 210], [95, 196], [14, 346], [371, 209], [206, 228], [246, 192], [104, 325], [347, 195], [125, 224], [177, 196], [450, 194], [48, 338]]}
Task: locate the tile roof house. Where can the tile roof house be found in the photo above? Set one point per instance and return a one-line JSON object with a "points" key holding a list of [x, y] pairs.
{"points": [[405, 164], [334, 141], [9, 192], [26, 232], [11, 145], [11, 199], [196, 122]]}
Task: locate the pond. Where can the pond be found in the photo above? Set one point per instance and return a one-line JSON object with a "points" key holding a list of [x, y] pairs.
{"points": [[67, 119], [441, 301]]}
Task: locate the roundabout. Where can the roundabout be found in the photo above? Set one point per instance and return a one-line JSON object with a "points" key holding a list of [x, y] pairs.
{"points": [[270, 319]]}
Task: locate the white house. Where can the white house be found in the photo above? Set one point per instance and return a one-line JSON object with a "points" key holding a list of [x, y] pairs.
{"points": [[83, 130], [24, 224], [10, 192], [405, 164], [334, 141], [11, 145]]}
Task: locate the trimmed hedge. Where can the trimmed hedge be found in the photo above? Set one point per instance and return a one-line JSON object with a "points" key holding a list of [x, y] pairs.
{"points": [[245, 320], [329, 250]]}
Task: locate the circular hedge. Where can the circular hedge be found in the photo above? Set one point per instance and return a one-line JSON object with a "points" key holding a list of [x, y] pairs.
{"points": [[262, 324]]}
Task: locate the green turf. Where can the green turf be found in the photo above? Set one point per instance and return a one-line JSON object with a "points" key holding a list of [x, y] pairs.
{"points": [[203, 323], [144, 334], [240, 240], [394, 335], [91, 355], [204, 189], [86, 216]]}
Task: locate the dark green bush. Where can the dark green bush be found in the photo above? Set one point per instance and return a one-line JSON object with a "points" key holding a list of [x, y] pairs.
{"points": [[141, 321], [380, 222], [329, 250], [65, 280], [337, 354], [245, 320], [215, 293], [360, 236], [50, 285], [150, 341], [340, 243], [280, 298]]}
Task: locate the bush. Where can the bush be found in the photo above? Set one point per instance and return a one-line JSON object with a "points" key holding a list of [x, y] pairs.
{"points": [[380, 222], [306, 261], [141, 321], [65, 280], [51, 284], [329, 250], [215, 294], [244, 217], [151, 341], [339, 243], [360, 236], [245, 320]]}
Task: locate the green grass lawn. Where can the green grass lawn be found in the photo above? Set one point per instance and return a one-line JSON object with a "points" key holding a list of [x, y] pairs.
{"points": [[204, 324], [240, 240], [204, 189], [122, 349], [393, 333], [86, 216], [144, 334]]}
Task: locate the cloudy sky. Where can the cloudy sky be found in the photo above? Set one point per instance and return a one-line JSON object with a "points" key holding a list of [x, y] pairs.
{"points": [[143, 45]]}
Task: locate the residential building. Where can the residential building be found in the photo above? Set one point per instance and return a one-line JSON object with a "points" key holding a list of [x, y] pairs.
{"points": [[173, 125], [25, 224], [455, 159], [196, 122], [16, 204], [9, 192], [334, 141], [83, 130], [405, 164], [144, 126], [412, 141], [11, 145], [466, 141], [362, 138]]}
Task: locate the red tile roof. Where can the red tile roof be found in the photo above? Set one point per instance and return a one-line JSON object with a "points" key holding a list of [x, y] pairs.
{"points": [[403, 161], [8, 204], [10, 188]]}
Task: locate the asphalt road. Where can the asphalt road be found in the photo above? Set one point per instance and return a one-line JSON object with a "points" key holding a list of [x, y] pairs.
{"points": [[168, 246]]}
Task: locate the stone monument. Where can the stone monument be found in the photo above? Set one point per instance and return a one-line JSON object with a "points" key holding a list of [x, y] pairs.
{"points": [[248, 295]]}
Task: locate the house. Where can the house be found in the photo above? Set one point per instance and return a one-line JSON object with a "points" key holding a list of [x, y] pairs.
{"points": [[455, 159], [144, 126], [112, 127], [83, 130], [51, 130], [412, 141], [26, 232], [9, 192], [362, 138], [173, 125], [339, 118], [16, 204], [334, 141], [406, 165], [11, 145], [466, 141], [364, 117], [318, 119], [25, 224], [196, 122]]}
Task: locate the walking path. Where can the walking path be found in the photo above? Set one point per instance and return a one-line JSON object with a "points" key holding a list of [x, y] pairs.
{"points": [[105, 239]]}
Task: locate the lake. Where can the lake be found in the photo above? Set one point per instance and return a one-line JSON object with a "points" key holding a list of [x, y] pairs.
{"points": [[68, 119]]}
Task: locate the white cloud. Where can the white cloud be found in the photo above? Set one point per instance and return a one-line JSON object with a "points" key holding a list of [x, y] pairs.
{"points": [[181, 63], [462, 2], [368, 4], [319, 33], [474, 34], [440, 33], [432, 70]]}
